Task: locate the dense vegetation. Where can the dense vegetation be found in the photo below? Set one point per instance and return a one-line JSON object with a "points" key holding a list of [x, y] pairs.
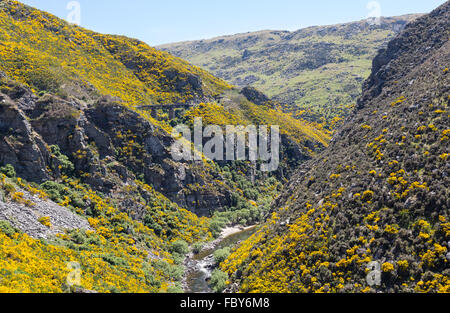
{"points": [[54, 56], [119, 254]]}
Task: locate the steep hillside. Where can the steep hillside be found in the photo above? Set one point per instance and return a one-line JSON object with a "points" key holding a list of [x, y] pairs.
{"points": [[52, 55], [300, 139], [316, 72], [59, 78], [86, 171], [380, 192], [64, 230]]}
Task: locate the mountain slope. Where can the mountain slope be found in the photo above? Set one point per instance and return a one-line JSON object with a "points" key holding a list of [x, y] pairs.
{"points": [[52, 55], [84, 166], [380, 192], [317, 69]]}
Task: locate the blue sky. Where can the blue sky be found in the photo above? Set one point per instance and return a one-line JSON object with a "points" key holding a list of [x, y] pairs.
{"points": [[164, 21]]}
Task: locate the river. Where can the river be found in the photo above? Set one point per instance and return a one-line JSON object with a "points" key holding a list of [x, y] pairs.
{"points": [[200, 266]]}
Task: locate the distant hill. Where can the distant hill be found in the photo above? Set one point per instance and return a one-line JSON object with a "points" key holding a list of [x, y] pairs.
{"points": [[318, 69]]}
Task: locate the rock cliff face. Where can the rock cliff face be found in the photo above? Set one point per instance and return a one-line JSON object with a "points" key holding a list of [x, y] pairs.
{"points": [[377, 201], [19, 144], [108, 144]]}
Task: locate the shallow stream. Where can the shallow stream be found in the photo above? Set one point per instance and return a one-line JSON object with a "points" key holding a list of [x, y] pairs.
{"points": [[201, 265]]}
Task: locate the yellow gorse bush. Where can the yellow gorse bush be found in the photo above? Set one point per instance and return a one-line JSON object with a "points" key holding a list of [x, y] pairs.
{"points": [[114, 260], [45, 52], [28, 265]]}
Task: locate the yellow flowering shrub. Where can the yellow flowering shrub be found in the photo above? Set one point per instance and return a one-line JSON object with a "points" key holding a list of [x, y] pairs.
{"points": [[387, 267], [111, 258], [29, 265], [45, 220], [49, 54]]}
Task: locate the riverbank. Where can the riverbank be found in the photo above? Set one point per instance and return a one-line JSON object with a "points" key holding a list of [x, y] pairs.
{"points": [[198, 267], [226, 232]]}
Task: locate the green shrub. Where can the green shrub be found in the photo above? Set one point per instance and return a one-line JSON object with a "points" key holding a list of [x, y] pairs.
{"points": [[178, 258], [44, 80], [63, 163], [8, 170], [79, 240], [9, 188], [54, 190], [152, 224], [219, 280], [171, 271], [150, 277], [57, 192], [180, 246], [115, 260], [7, 229], [221, 255], [217, 224], [197, 247]]}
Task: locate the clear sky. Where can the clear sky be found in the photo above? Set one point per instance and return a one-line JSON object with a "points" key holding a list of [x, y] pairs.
{"points": [[164, 21]]}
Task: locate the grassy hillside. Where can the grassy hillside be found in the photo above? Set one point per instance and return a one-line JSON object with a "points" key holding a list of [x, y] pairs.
{"points": [[52, 55], [316, 72], [236, 109], [380, 192]]}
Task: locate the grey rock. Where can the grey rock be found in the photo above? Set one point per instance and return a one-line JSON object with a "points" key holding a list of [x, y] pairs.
{"points": [[25, 218], [410, 202], [20, 145]]}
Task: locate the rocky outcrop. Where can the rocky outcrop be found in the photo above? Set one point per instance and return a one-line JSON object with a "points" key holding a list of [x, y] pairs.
{"points": [[26, 218], [107, 143], [19, 144]]}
